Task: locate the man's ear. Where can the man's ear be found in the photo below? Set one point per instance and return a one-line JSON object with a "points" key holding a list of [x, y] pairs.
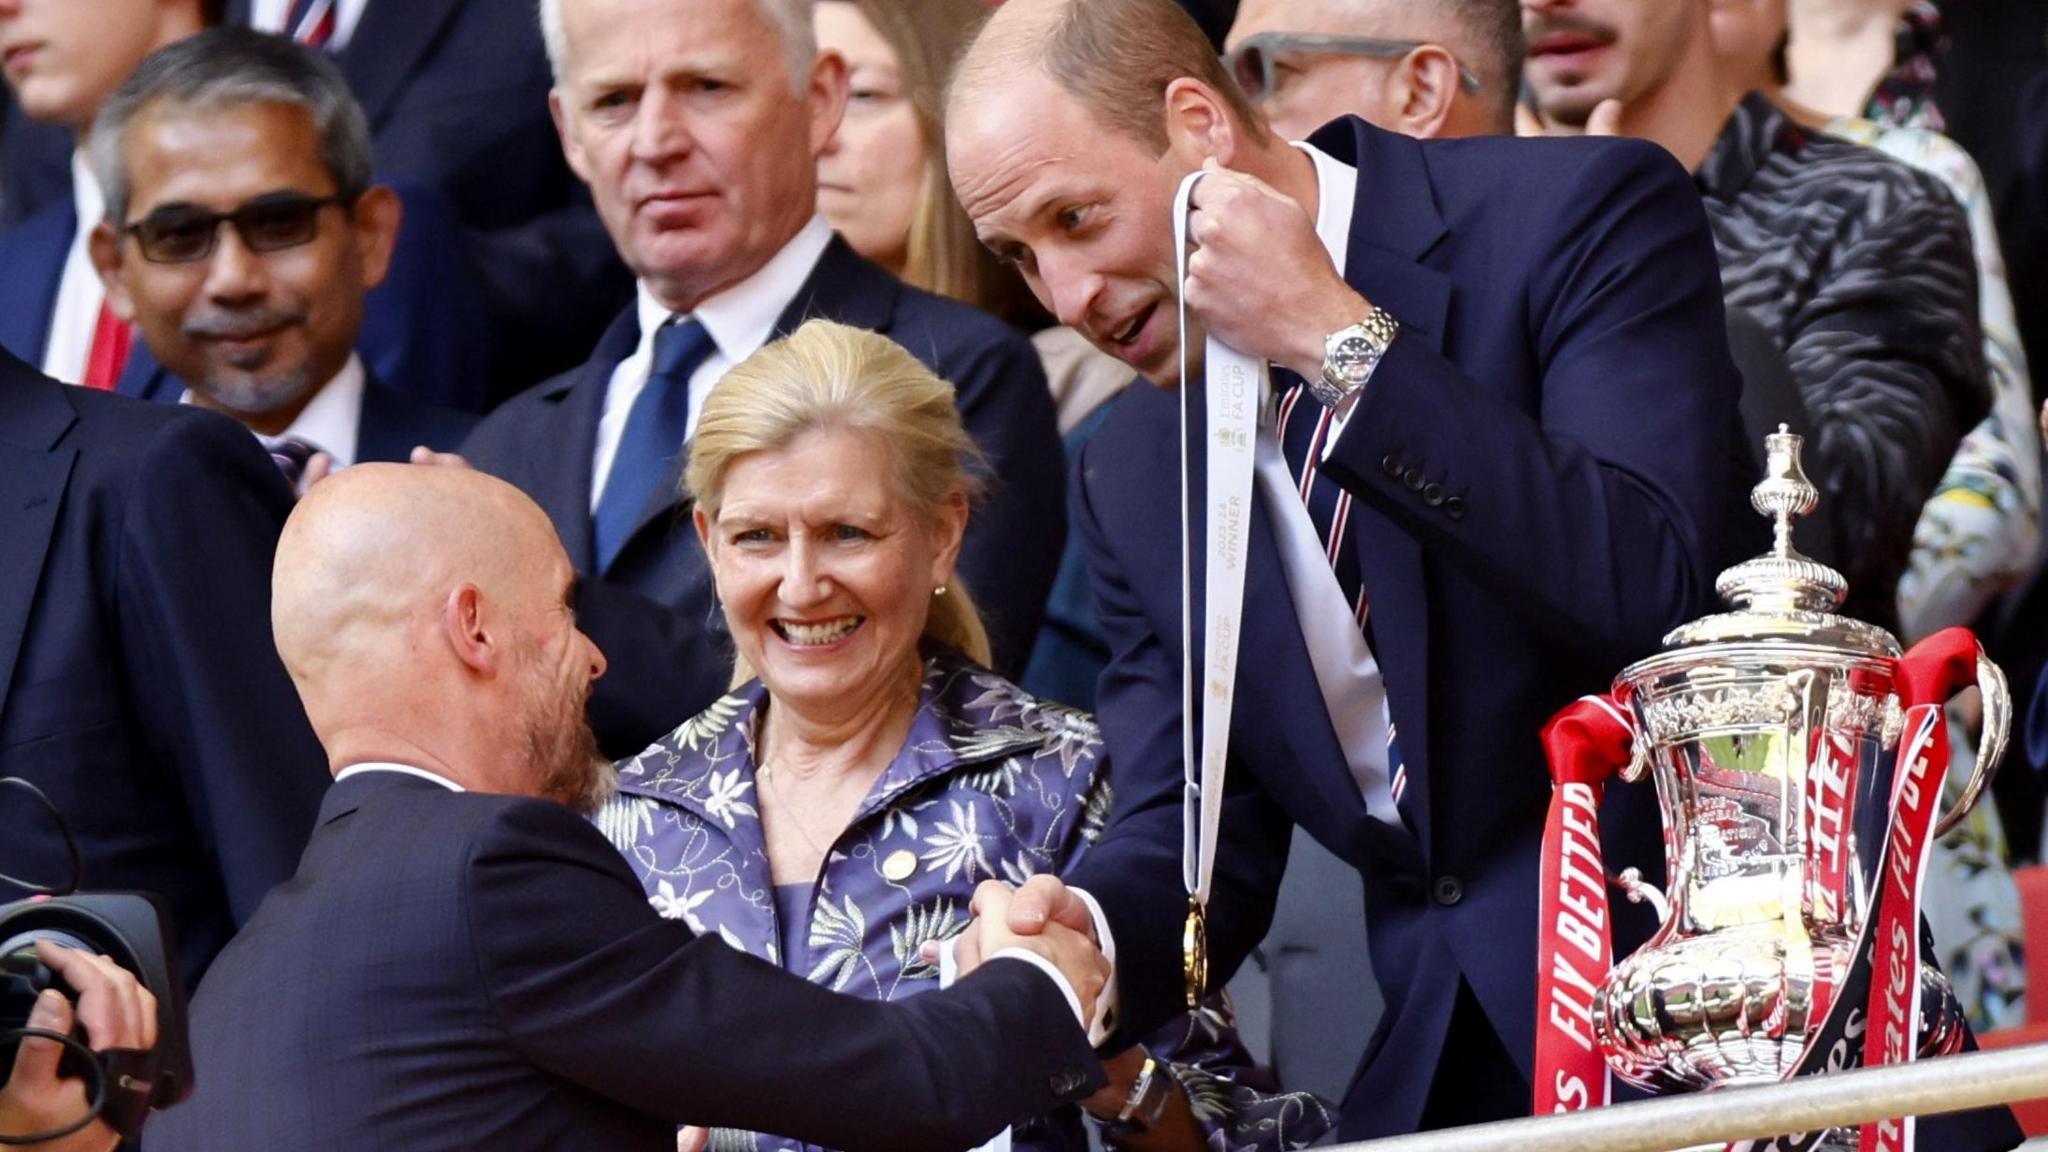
{"points": [[1422, 87], [378, 216], [1199, 124], [104, 246], [462, 625], [827, 95]]}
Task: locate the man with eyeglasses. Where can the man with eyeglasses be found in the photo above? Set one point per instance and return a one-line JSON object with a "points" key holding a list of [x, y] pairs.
{"points": [[1443, 69], [241, 236]]}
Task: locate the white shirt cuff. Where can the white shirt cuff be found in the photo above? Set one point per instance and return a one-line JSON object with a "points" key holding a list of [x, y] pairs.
{"points": [[1339, 418], [1105, 1004]]}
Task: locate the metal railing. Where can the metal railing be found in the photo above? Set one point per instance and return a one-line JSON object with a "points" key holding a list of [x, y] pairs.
{"points": [[1809, 1103]]}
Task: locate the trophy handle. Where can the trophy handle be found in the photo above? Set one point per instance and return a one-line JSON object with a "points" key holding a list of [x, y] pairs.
{"points": [[1990, 744]]}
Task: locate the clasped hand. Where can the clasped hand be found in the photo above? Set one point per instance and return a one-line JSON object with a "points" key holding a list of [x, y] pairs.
{"points": [[1043, 917]]}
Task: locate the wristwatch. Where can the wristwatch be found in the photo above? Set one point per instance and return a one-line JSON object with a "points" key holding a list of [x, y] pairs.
{"points": [[1350, 354], [1145, 1105]]}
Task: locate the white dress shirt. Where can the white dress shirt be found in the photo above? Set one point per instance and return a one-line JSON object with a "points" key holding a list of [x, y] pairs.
{"points": [[331, 421], [268, 16], [79, 291], [739, 319], [402, 769]]}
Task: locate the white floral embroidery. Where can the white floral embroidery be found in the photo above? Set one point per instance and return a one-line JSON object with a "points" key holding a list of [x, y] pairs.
{"points": [[956, 844], [727, 797]]}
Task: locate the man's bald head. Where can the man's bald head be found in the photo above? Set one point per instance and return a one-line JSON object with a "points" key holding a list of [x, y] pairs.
{"points": [[1115, 57], [425, 615], [376, 549]]}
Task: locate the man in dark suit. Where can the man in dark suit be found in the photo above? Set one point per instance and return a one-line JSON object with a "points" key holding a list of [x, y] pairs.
{"points": [[1521, 410], [464, 961], [423, 329], [138, 684], [456, 95], [712, 203], [257, 320]]}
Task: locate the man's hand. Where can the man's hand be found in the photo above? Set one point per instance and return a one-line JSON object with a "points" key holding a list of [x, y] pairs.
{"points": [[117, 1012], [1073, 952], [1260, 279], [1041, 901], [421, 454]]}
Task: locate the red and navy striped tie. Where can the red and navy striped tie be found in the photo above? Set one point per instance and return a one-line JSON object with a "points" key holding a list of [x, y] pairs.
{"points": [[310, 22], [1305, 428]]}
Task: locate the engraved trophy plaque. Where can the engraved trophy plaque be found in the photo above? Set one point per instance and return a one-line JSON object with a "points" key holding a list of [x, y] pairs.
{"points": [[1793, 751]]}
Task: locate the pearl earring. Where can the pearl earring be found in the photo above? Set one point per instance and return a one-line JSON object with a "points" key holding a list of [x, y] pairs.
{"points": [[939, 591]]}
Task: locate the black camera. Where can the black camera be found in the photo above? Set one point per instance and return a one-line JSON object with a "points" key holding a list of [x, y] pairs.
{"points": [[129, 928]]}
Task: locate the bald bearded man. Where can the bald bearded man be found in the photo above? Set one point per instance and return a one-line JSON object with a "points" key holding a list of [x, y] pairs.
{"points": [[463, 961]]}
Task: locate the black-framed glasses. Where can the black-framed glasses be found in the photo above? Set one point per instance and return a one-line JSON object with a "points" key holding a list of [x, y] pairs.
{"points": [[1251, 63], [182, 234]]}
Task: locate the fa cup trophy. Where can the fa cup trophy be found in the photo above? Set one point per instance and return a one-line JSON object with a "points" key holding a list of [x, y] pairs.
{"points": [[1799, 757]]}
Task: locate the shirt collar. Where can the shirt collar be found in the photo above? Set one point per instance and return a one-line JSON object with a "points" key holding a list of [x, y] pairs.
{"points": [[86, 198], [1336, 198], [1754, 130], [403, 769], [742, 318], [331, 420]]}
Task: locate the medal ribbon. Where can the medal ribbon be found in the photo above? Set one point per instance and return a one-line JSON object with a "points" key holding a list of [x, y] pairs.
{"points": [[1234, 384]]}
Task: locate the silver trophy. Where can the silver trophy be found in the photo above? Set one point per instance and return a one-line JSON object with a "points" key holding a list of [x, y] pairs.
{"points": [[1772, 731]]}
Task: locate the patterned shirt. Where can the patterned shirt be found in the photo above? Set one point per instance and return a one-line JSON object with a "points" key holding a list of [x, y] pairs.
{"points": [[991, 782], [1862, 269], [1904, 97]]}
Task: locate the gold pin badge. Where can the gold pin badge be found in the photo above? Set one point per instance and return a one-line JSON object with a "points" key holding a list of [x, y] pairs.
{"points": [[900, 864]]}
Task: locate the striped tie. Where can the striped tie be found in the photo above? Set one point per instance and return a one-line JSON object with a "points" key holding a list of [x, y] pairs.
{"points": [[310, 22], [291, 455], [1304, 428]]}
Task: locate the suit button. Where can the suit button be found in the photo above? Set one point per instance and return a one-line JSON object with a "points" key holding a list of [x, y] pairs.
{"points": [[1455, 507], [1412, 480], [1433, 494], [1447, 890], [1391, 465], [1068, 1082]]}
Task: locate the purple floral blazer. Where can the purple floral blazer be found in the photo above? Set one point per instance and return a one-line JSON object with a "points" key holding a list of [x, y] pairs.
{"points": [[990, 783]]}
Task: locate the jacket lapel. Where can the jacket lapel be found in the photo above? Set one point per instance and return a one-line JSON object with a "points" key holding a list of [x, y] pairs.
{"points": [[386, 48], [34, 416], [145, 379], [1395, 224], [573, 404]]}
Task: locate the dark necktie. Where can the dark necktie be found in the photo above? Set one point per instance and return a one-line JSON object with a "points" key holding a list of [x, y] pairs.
{"points": [[653, 436], [291, 456], [1305, 428], [311, 22]]}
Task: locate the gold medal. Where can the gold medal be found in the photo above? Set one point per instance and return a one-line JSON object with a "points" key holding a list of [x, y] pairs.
{"points": [[1194, 949]]}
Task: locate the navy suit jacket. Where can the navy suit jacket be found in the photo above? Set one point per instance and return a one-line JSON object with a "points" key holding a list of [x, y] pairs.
{"points": [[138, 683], [655, 616], [456, 92], [459, 971], [424, 325], [390, 426]]}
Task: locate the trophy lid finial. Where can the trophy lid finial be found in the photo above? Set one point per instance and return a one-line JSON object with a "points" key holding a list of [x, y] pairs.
{"points": [[1783, 580]]}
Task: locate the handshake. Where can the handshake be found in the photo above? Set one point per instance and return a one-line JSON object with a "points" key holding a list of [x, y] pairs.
{"points": [[1045, 918]]}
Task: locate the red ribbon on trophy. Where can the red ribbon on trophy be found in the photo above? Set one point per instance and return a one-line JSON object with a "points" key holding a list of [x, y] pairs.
{"points": [[1593, 740], [1587, 743]]}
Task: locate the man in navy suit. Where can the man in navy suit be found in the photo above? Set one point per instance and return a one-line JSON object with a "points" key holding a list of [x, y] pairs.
{"points": [[464, 961], [139, 687], [248, 238], [423, 329], [1521, 408], [456, 95], [697, 126]]}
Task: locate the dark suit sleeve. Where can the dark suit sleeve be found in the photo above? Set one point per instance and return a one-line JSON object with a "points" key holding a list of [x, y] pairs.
{"points": [[1134, 870], [197, 541], [1596, 511], [1012, 552], [607, 995]]}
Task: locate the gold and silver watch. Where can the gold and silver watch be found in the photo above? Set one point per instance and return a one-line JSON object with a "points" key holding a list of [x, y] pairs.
{"points": [[1350, 355]]}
